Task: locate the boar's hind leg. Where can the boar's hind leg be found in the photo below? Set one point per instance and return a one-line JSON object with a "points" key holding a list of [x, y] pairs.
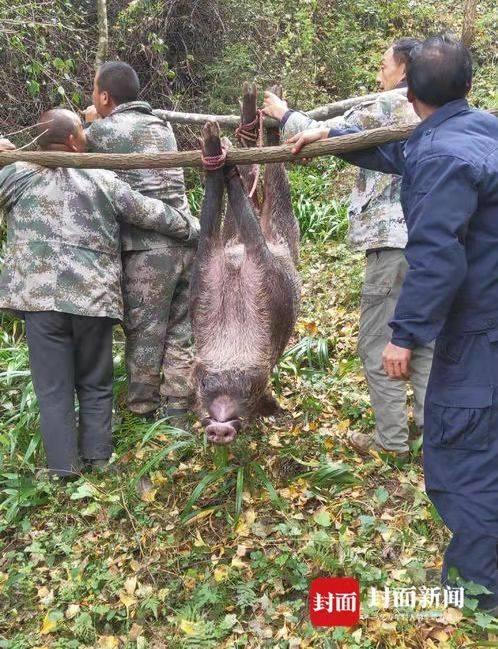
{"points": [[211, 212], [212, 203], [248, 173], [277, 217]]}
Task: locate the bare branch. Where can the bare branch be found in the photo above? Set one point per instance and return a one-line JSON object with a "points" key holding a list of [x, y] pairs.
{"points": [[103, 42], [469, 22]]}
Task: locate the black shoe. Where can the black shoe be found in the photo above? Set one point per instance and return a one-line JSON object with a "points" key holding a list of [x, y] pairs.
{"points": [[50, 474]]}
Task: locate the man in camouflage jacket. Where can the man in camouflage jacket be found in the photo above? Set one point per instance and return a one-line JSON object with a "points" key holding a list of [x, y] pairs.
{"points": [[156, 268], [62, 272], [377, 227]]}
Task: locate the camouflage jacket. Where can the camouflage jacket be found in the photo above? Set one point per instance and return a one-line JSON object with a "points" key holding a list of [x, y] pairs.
{"points": [[63, 243], [375, 215], [133, 128]]}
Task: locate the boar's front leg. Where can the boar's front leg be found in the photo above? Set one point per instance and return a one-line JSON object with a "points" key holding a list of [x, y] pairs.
{"points": [[247, 224], [277, 217]]}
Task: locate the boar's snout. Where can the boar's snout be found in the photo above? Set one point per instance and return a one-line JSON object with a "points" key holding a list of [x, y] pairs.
{"points": [[223, 422], [224, 408], [223, 432]]}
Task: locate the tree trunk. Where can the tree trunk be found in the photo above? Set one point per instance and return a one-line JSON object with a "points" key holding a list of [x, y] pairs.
{"points": [[103, 42], [469, 22]]}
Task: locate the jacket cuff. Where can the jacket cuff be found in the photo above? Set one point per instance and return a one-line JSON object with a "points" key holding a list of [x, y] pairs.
{"points": [[336, 132], [286, 117], [401, 341]]}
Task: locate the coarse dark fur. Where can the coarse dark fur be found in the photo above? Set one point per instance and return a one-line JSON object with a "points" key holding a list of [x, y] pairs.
{"points": [[245, 289]]}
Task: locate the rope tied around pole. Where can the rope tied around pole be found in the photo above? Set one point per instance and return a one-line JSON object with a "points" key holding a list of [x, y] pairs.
{"points": [[213, 162], [252, 132]]}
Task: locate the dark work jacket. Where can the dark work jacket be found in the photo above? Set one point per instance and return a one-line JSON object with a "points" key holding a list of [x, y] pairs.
{"points": [[449, 196]]}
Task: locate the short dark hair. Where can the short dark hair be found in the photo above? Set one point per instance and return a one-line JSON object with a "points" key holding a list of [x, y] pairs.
{"points": [[120, 80], [439, 70], [402, 48], [56, 125]]}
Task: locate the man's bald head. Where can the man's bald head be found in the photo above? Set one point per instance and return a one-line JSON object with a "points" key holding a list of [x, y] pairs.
{"points": [[59, 127]]}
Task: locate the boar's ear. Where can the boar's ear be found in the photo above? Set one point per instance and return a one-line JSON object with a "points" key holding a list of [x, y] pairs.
{"points": [[268, 406], [198, 370]]}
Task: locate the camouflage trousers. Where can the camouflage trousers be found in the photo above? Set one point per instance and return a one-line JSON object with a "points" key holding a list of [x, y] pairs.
{"points": [[157, 325]]}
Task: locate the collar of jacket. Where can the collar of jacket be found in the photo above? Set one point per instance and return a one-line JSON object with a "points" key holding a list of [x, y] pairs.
{"points": [[141, 106], [439, 116]]}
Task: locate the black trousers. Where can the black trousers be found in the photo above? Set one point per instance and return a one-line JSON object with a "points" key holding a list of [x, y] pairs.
{"points": [[72, 354]]}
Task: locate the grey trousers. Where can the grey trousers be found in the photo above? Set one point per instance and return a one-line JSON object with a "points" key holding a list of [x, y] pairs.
{"points": [[384, 277], [72, 354]]}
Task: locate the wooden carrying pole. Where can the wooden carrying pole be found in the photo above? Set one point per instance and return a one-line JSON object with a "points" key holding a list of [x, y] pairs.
{"points": [[282, 153], [231, 121]]}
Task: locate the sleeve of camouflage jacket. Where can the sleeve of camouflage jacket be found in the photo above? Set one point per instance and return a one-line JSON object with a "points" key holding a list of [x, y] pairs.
{"points": [[150, 214], [388, 158]]}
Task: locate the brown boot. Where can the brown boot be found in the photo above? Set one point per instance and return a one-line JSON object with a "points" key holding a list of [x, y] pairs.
{"points": [[365, 444]]}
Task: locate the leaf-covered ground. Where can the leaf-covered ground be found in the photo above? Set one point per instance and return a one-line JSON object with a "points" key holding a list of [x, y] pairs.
{"points": [[186, 548]]}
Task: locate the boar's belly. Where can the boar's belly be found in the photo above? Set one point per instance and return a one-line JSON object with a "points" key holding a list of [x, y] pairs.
{"points": [[233, 329]]}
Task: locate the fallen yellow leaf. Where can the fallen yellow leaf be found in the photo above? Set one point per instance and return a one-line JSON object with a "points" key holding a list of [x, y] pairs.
{"points": [[221, 573], [452, 616], [49, 625], [72, 611], [108, 642], [199, 541], [149, 495], [188, 627], [126, 599], [130, 585], [238, 563]]}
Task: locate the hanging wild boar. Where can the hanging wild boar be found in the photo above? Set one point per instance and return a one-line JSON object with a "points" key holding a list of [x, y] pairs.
{"points": [[245, 289]]}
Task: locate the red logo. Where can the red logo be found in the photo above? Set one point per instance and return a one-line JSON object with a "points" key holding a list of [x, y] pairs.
{"points": [[334, 601]]}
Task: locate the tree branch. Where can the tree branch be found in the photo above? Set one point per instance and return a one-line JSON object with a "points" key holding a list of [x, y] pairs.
{"points": [[103, 42], [321, 113]]}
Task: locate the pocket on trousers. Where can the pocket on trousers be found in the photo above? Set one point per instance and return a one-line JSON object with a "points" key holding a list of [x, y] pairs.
{"points": [[374, 294], [376, 310], [459, 417]]}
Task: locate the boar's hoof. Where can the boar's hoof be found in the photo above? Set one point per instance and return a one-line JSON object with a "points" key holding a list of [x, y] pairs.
{"points": [[222, 432], [211, 133]]}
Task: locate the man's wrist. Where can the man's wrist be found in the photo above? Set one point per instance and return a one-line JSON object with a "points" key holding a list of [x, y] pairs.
{"points": [[403, 341], [285, 117]]}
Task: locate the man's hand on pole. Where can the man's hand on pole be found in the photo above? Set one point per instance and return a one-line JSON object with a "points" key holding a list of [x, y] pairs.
{"points": [[396, 361], [308, 137], [6, 145], [273, 106], [90, 114]]}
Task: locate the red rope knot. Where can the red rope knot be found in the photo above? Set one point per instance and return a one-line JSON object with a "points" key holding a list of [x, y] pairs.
{"points": [[249, 132], [213, 162], [252, 132]]}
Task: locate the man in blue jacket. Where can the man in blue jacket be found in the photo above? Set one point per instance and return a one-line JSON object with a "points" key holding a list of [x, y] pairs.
{"points": [[450, 201]]}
